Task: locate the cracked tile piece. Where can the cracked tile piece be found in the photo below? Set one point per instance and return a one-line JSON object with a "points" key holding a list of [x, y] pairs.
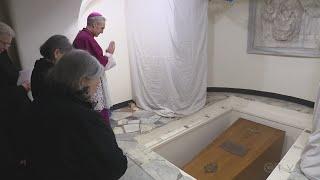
{"points": [[118, 130], [144, 128], [134, 122], [131, 128], [122, 122], [128, 137], [120, 115]]}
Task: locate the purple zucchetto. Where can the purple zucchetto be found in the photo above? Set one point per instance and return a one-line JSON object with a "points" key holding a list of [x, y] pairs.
{"points": [[94, 14]]}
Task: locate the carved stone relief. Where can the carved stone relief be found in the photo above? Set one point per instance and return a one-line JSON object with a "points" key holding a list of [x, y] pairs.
{"points": [[284, 27]]}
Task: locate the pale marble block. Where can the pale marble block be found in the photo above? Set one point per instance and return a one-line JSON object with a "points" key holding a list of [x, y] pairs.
{"points": [[118, 130], [134, 122], [131, 128], [122, 122], [144, 128], [120, 115]]}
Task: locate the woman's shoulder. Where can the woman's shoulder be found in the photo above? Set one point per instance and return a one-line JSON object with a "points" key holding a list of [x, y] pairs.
{"points": [[64, 107], [77, 108], [42, 62], [85, 115], [5, 60]]}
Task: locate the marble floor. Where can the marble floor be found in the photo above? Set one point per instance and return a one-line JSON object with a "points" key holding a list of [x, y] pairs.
{"points": [[128, 123]]}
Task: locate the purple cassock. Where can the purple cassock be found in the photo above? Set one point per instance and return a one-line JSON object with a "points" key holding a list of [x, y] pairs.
{"points": [[85, 40]]}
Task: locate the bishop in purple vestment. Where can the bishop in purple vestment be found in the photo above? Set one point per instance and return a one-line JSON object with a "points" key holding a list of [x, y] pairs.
{"points": [[85, 40]]}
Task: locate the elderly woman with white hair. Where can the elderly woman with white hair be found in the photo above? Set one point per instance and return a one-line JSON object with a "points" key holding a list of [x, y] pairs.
{"points": [[13, 101], [69, 139]]}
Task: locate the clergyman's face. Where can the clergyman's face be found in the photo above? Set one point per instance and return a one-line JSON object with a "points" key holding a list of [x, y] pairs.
{"points": [[5, 42], [98, 28]]}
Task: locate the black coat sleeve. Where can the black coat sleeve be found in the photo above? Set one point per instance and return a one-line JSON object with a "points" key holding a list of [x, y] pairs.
{"points": [[36, 82], [110, 155], [38, 76]]}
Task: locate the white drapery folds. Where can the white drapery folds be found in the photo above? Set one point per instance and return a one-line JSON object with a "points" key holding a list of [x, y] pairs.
{"points": [[168, 54], [310, 157]]}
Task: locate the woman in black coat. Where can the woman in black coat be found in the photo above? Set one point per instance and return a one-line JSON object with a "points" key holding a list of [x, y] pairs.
{"points": [[52, 51], [69, 139]]}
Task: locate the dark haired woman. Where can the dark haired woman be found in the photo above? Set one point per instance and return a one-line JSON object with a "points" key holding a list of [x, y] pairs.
{"points": [[52, 51]]}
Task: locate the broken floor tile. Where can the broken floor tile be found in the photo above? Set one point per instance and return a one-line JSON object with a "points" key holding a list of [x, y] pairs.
{"points": [[118, 130], [120, 115], [134, 122], [127, 136], [144, 128], [122, 122], [131, 128]]}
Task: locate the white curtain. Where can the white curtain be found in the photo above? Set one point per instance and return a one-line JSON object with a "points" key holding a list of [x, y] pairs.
{"points": [[168, 54]]}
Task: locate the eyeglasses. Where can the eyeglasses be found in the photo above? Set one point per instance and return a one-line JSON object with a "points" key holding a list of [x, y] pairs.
{"points": [[7, 44]]}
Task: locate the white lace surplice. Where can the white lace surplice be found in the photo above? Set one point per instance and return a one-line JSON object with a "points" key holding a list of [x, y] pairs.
{"points": [[102, 97]]}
